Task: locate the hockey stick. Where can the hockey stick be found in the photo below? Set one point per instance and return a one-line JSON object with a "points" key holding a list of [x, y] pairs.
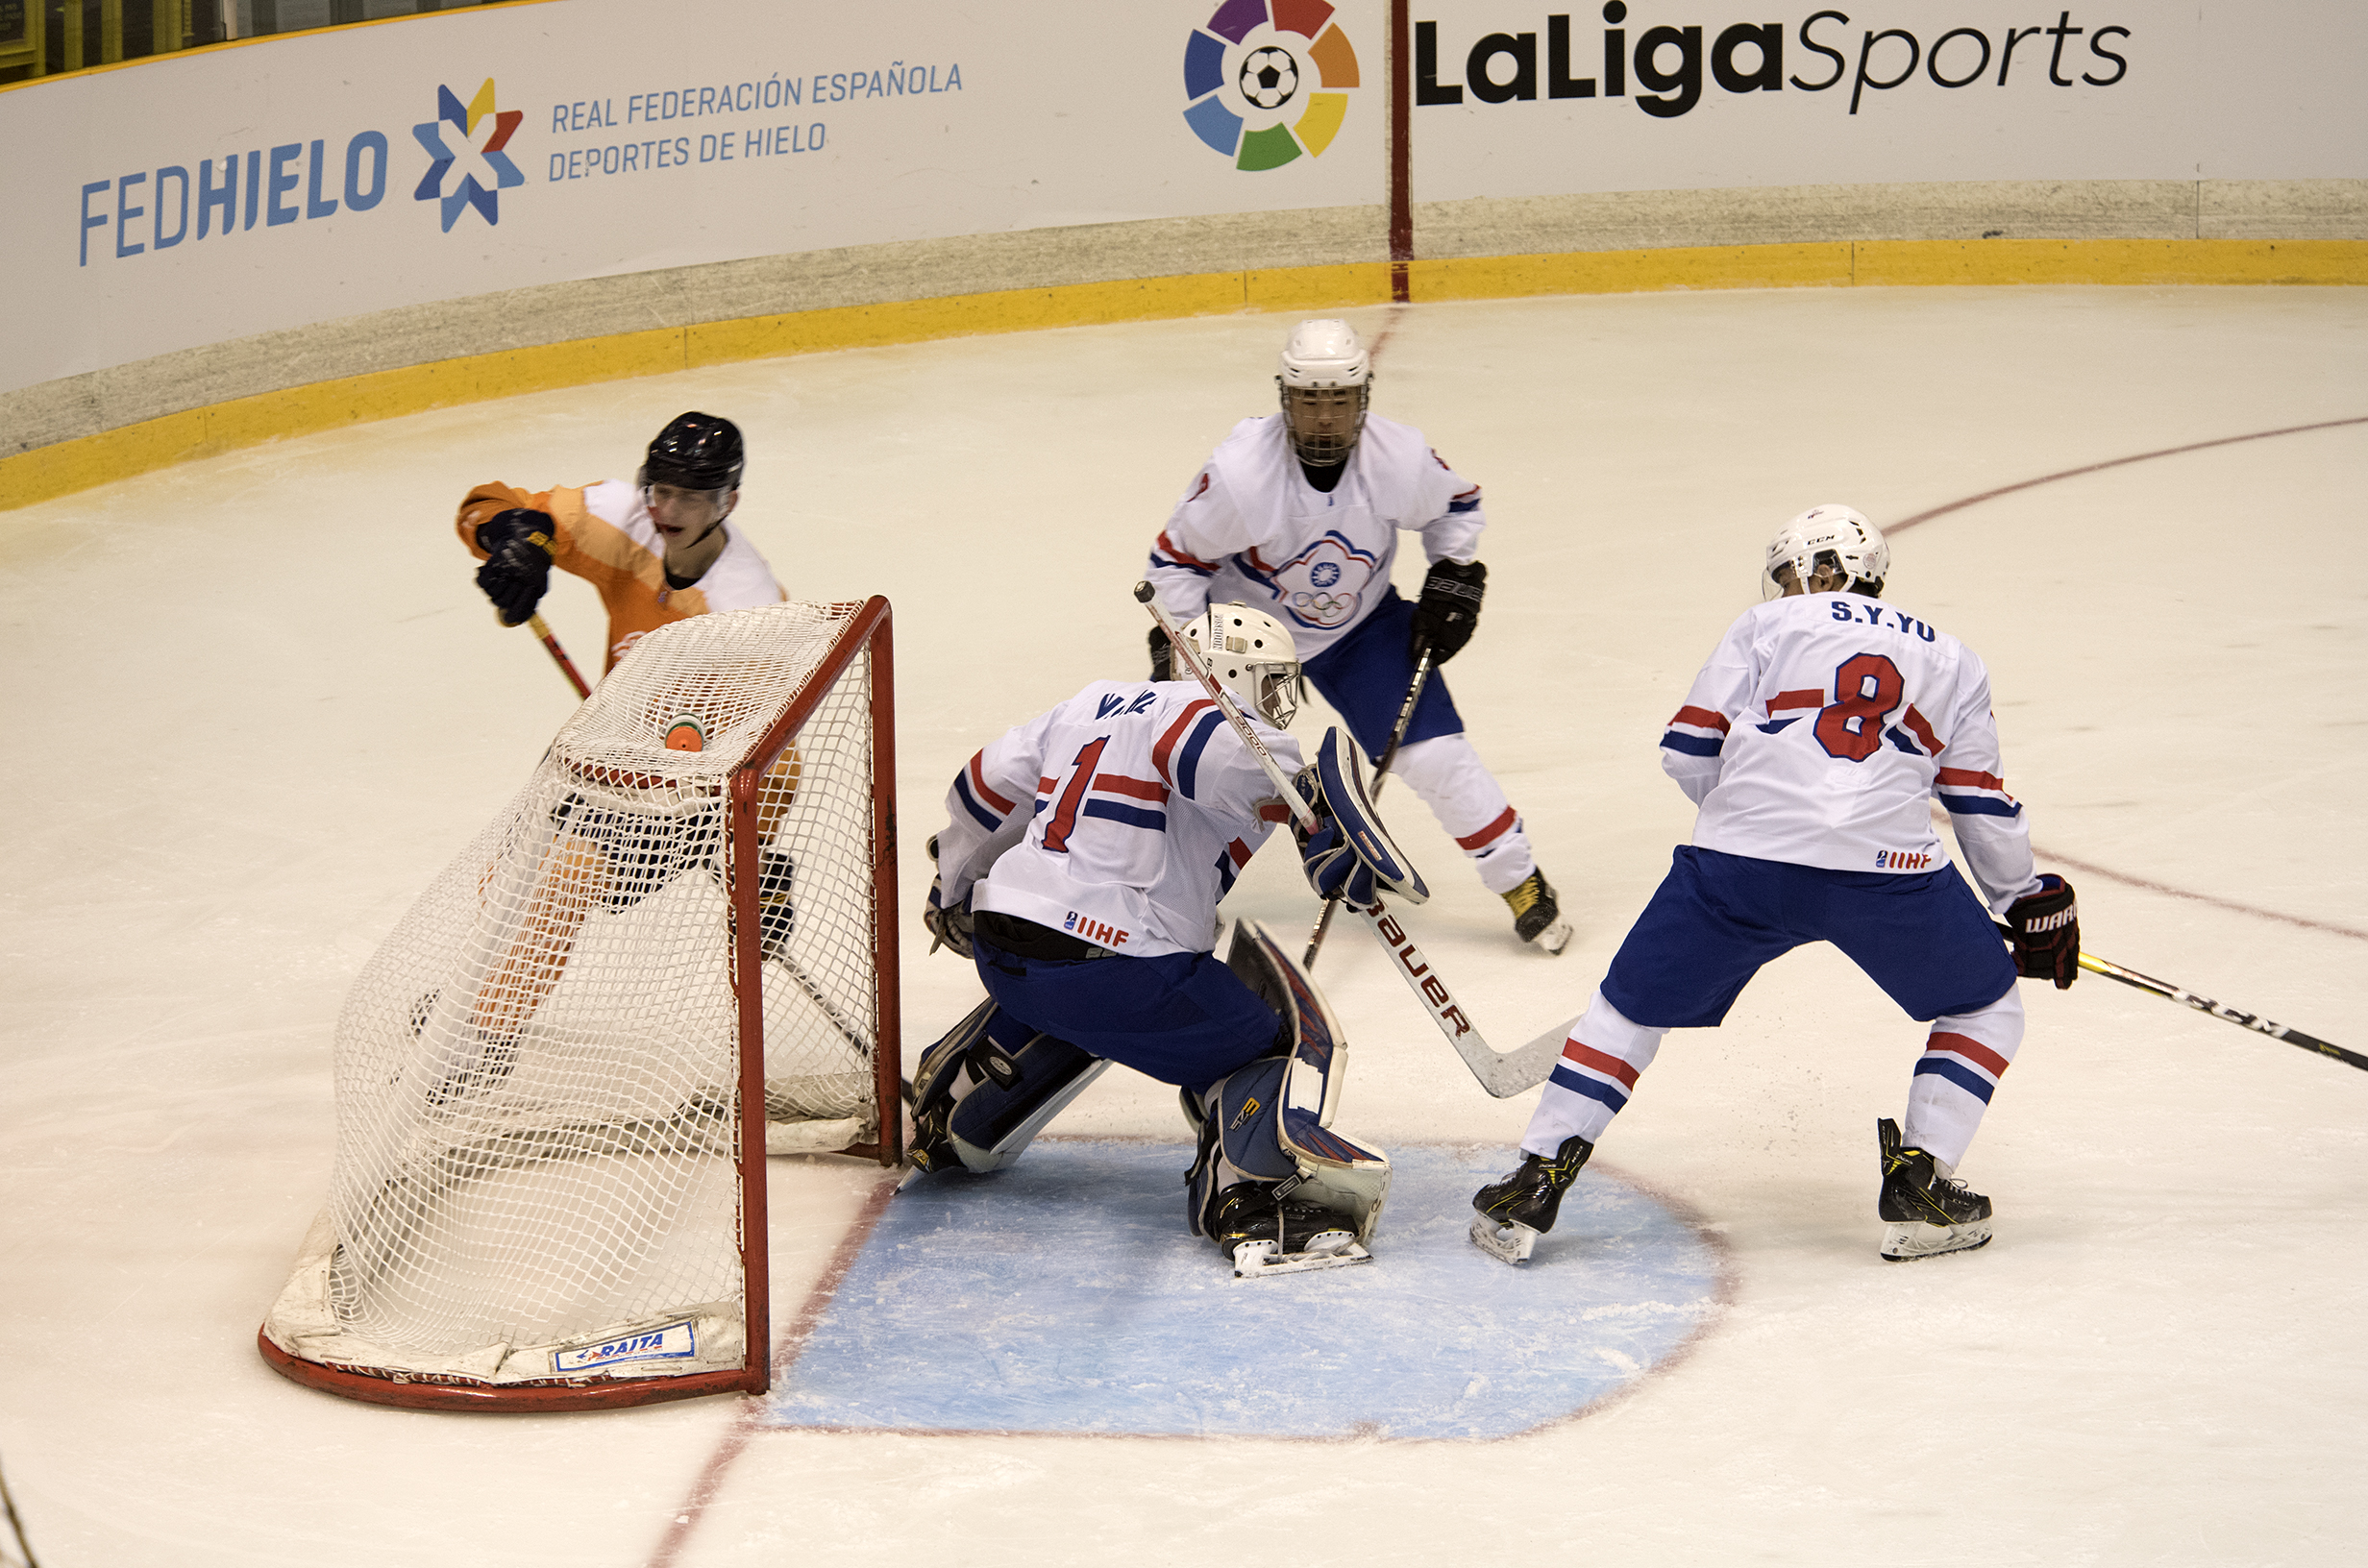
{"points": [[1502, 1073], [558, 655], [1381, 771], [2204, 1004], [16, 1526], [829, 1009]]}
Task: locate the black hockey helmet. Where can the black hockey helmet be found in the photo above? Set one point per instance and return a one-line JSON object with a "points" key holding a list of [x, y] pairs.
{"points": [[696, 451]]}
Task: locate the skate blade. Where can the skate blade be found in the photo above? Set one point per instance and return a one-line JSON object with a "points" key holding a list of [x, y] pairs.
{"points": [[1256, 1260], [1554, 938], [1512, 1242], [1907, 1241]]}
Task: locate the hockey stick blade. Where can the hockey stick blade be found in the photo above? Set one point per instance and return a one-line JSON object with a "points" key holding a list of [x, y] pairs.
{"points": [[1502, 1073], [2204, 1004]]}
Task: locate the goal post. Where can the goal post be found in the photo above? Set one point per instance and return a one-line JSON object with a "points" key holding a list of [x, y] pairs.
{"points": [[558, 1079]]}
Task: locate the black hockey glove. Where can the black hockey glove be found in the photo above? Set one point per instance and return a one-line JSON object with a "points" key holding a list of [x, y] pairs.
{"points": [[1332, 866], [2045, 927], [950, 927], [1163, 657], [517, 568], [1448, 609]]}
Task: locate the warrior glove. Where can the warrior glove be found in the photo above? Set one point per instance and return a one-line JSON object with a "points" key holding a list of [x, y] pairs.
{"points": [[1448, 610], [2045, 928], [1333, 866], [1163, 656], [517, 568]]}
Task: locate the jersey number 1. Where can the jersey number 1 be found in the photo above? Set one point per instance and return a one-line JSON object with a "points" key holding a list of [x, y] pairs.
{"points": [[1065, 812], [1866, 687]]}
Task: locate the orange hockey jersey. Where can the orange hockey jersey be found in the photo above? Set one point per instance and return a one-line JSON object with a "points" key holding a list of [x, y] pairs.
{"points": [[602, 534]]}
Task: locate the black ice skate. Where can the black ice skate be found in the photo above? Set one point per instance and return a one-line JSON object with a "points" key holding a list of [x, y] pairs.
{"points": [[1265, 1235], [1930, 1214], [1517, 1208], [1537, 917]]}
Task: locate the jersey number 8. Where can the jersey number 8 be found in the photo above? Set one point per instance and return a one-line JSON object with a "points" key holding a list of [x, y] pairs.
{"points": [[1866, 687]]}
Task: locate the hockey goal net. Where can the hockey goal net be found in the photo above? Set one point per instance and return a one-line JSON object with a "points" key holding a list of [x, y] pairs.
{"points": [[558, 1078]]}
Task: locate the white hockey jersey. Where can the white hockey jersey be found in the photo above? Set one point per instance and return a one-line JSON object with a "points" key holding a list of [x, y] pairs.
{"points": [[1120, 816], [1822, 727], [1253, 528]]}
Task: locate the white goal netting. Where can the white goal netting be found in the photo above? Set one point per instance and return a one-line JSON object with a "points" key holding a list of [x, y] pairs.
{"points": [[538, 1168]]}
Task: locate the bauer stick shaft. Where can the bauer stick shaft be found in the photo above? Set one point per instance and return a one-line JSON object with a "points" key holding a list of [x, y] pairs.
{"points": [[1181, 648], [558, 655], [1381, 772], [1502, 1073], [2204, 1004]]}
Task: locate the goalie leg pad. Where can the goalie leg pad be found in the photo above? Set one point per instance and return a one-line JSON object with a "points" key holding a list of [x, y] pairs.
{"points": [[982, 1093], [1240, 1141]]}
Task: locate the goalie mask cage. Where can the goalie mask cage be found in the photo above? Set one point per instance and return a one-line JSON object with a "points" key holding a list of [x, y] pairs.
{"points": [[549, 1189]]}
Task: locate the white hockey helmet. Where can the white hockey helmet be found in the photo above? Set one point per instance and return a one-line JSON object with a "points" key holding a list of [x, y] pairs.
{"points": [[1325, 381], [1830, 535], [1251, 652]]}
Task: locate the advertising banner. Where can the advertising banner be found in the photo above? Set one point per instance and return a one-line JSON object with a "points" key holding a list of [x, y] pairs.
{"points": [[189, 200], [196, 199], [1545, 98]]}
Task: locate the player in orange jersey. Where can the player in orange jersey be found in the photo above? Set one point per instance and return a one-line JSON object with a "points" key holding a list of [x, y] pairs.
{"points": [[658, 549]]}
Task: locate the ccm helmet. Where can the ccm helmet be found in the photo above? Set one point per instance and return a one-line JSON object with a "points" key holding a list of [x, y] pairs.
{"points": [[1831, 536], [696, 451], [1251, 652], [1326, 379]]}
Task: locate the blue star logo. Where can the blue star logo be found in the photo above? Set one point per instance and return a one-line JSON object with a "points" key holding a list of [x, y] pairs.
{"points": [[482, 131]]}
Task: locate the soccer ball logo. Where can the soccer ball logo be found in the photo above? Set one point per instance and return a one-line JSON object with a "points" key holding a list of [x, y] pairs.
{"points": [[1269, 77], [1268, 82]]}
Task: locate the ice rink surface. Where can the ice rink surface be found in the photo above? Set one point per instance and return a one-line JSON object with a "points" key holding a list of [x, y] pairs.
{"points": [[256, 703]]}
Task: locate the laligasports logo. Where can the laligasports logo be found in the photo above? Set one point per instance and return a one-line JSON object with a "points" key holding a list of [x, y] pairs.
{"points": [[484, 132], [1267, 80]]}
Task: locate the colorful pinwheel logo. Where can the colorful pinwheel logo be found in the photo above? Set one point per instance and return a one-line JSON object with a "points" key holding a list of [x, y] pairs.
{"points": [[482, 132], [1265, 78]]}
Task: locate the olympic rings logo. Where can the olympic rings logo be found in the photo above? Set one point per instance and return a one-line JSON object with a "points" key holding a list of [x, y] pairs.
{"points": [[1326, 609]]}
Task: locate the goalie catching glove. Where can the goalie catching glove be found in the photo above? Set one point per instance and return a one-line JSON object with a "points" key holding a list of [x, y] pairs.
{"points": [[2045, 928], [1448, 611], [1349, 855], [517, 568]]}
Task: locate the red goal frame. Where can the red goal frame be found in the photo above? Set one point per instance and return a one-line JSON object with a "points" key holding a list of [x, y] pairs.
{"points": [[869, 628]]}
